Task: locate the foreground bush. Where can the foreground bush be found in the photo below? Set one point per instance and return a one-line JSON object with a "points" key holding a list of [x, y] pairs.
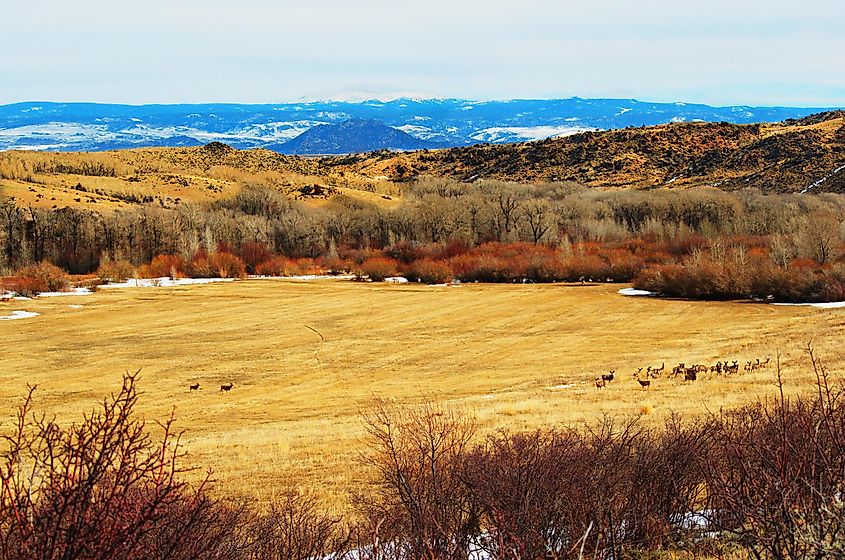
{"points": [[41, 277], [101, 489]]}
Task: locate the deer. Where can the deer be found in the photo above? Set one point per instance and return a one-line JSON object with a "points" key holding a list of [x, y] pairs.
{"points": [[194, 387], [766, 361], [226, 387], [658, 371], [690, 375], [717, 368], [609, 376], [600, 383], [733, 368], [679, 369], [747, 365], [644, 382]]}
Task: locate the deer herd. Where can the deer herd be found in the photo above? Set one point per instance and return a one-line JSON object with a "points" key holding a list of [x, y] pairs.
{"points": [[644, 376], [223, 388]]}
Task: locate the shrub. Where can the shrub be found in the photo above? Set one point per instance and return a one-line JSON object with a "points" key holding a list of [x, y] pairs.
{"points": [[172, 266], [217, 265], [377, 269], [276, 266], [101, 489], [115, 270], [253, 254], [42, 277], [429, 271]]}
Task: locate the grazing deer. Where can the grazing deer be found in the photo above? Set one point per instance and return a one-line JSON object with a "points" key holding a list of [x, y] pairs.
{"points": [[609, 376], [194, 387], [700, 368], [226, 387], [600, 383], [690, 375], [644, 382]]}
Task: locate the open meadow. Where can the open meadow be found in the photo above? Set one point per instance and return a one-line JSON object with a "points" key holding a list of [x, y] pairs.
{"points": [[305, 358]]}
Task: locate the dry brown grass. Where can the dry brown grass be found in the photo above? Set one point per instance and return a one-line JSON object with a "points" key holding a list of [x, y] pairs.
{"points": [[513, 356], [171, 174]]}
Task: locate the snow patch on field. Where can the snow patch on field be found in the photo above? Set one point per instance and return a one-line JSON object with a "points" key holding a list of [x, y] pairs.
{"points": [[73, 292], [18, 315], [164, 282], [826, 305], [396, 280], [636, 292]]}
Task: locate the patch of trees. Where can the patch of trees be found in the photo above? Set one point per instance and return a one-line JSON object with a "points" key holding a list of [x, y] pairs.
{"points": [[764, 480], [576, 232]]}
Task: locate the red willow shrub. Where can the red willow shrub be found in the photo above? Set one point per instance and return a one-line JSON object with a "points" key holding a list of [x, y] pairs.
{"points": [[429, 271], [253, 254], [742, 275], [377, 268], [172, 266], [216, 265], [42, 277]]}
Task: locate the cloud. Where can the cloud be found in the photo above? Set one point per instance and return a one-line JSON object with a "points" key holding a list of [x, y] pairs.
{"points": [[260, 50]]}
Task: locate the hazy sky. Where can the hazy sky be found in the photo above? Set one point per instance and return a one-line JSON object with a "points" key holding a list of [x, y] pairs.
{"points": [[763, 52]]}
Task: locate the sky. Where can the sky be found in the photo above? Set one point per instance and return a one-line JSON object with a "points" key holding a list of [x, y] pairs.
{"points": [[720, 52]]}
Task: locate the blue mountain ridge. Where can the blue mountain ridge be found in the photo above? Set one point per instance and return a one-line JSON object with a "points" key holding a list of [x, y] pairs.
{"points": [[436, 122]]}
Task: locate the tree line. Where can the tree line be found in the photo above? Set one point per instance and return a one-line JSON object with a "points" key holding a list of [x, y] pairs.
{"points": [[437, 218]]}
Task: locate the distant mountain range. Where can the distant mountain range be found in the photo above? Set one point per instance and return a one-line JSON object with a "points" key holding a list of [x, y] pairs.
{"points": [[420, 123], [352, 136]]}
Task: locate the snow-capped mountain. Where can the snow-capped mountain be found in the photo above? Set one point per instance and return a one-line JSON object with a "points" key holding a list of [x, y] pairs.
{"points": [[442, 122]]}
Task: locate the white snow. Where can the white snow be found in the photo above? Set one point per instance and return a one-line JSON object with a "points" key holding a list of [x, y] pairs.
{"points": [[823, 179], [18, 315], [73, 292], [635, 292], [523, 133], [396, 280], [827, 305], [164, 282], [76, 306]]}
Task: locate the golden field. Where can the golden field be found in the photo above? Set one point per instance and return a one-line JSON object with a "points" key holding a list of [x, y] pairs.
{"points": [[514, 356]]}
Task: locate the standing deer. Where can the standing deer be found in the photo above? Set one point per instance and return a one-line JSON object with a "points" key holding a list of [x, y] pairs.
{"points": [[600, 383], [194, 387], [608, 377], [644, 382], [226, 387]]}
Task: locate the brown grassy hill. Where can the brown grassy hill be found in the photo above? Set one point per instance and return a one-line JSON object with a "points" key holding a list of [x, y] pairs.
{"points": [[794, 156], [789, 156]]}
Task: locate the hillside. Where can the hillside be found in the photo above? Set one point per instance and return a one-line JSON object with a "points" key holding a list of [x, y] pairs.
{"points": [[804, 155], [794, 156]]}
